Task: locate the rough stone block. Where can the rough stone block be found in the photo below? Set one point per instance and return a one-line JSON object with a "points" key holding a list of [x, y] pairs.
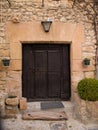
{"points": [[58, 126], [11, 111], [12, 101], [23, 104]]}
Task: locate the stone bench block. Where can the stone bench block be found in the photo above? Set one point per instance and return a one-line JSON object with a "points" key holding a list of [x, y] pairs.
{"points": [[23, 104]]}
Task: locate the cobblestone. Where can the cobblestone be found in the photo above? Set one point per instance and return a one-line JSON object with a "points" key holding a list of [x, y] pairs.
{"points": [[70, 124]]}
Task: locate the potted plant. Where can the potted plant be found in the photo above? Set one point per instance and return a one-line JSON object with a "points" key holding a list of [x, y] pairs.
{"points": [[6, 61], [86, 61], [12, 100], [88, 89], [88, 92]]}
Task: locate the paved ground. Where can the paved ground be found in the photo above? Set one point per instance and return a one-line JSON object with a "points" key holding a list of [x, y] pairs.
{"points": [[70, 124], [19, 124]]}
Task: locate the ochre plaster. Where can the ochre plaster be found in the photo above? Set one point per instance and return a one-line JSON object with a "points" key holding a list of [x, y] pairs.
{"points": [[32, 32]]}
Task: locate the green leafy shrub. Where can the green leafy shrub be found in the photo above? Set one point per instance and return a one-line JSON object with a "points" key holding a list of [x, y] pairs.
{"points": [[88, 89]]}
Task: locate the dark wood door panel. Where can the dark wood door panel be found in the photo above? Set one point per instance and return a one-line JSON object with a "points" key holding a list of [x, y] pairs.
{"points": [[27, 75], [40, 60], [54, 61], [40, 73], [54, 85], [46, 71], [40, 85], [54, 73], [65, 88]]}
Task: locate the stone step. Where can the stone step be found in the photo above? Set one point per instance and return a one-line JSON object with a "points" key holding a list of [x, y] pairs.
{"points": [[70, 124], [37, 106], [44, 115], [68, 108]]}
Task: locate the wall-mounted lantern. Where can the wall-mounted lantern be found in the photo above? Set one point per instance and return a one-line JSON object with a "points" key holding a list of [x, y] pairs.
{"points": [[86, 61], [46, 25], [6, 62]]}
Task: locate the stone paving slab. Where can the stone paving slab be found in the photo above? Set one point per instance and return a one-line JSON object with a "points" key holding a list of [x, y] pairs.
{"points": [[19, 124], [92, 126], [70, 124], [58, 126]]}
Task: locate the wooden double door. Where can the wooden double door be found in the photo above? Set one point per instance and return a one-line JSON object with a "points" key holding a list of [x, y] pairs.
{"points": [[46, 72]]}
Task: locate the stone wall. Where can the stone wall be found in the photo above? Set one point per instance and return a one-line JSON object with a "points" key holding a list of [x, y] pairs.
{"points": [[59, 11]]}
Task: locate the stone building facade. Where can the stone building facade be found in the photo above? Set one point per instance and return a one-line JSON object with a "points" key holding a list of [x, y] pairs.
{"points": [[72, 23]]}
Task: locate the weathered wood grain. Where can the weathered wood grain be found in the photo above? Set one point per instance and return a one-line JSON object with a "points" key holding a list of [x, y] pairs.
{"points": [[44, 115]]}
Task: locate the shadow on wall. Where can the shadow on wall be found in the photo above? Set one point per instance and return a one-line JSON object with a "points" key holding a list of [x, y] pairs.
{"points": [[0, 122]]}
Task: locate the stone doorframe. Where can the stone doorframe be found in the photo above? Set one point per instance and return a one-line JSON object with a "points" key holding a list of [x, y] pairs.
{"points": [[32, 32]]}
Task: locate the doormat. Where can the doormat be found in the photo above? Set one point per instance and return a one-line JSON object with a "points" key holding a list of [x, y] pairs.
{"points": [[51, 104]]}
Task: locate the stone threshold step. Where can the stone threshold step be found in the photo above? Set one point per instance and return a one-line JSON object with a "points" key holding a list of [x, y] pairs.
{"points": [[44, 115], [67, 105]]}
